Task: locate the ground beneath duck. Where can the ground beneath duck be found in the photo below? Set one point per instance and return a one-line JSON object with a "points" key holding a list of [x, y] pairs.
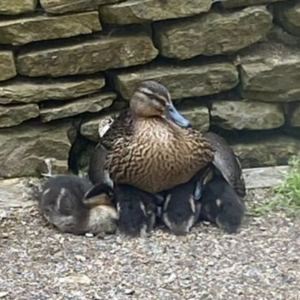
{"points": [[260, 262]]}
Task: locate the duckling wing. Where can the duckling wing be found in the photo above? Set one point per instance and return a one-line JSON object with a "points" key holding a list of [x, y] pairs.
{"points": [[227, 163]]}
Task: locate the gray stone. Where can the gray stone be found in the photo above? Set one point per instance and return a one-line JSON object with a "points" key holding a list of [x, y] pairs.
{"points": [[270, 72], [93, 103], [252, 115], [90, 127], [278, 35], [17, 114], [15, 7], [63, 6], [15, 193], [37, 28], [25, 90], [183, 80], [7, 66], [244, 3], [265, 177], [288, 15], [136, 11], [294, 119], [198, 116], [265, 151], [87, 57], [24, 148], [213, 33]]}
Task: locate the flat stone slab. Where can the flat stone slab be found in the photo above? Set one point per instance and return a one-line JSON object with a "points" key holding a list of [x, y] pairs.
{"points": [[269, 72], [91, 104], [7, 66], [266, 177], [24, 148], [244, 3], [183, 80], [265, 150], [213, 33], [17, 114], [16, 7], [249, 115], [87, 56], [24, 90], [63, 6], [137, 11], [29, 29]]}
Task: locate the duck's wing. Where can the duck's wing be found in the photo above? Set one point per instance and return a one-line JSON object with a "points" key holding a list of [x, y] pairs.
{"points": [[227, 163], [119, 129]]}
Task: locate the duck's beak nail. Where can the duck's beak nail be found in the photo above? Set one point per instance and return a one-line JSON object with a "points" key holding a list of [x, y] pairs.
{"points": [[198, 191], [176, 117]]}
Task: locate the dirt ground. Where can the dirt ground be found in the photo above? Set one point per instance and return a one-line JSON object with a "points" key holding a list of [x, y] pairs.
{"points": [[261, 261]]}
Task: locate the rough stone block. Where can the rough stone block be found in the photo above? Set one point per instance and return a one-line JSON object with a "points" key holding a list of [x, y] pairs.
{"points": [[87, 57], [30, 29], [91, 104], [264, 151], [198, 116], [288, 15], [213, 33], [23, 148], [17, 114], [23, 90], [7, 65], [63, 6], [90, 127], [183, 80], [294, 119], [16, 7], [278, 35], [250, 115], [137, 11], [244, 3], [270, 72]]}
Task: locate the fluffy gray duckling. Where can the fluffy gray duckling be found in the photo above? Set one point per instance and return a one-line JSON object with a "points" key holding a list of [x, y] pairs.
{"points": [[74, 205]]}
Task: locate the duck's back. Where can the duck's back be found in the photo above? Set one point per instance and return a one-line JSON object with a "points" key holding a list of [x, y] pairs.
{"points": [[157, 156]]}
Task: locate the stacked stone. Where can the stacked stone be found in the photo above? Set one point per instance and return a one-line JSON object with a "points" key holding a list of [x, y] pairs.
{"points": [[65, 64]]}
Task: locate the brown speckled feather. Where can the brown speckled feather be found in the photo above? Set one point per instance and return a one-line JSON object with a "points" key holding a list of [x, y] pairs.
{"points": [[154, 154]]}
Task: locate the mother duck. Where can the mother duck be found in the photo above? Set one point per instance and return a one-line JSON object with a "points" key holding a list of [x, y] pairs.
{"points": [[151, 145]]}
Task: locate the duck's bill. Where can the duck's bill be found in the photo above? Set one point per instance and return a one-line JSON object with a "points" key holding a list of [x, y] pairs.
{"points": [[176, 117]]}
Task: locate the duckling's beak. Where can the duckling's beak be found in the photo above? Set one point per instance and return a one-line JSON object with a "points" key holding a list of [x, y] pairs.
{"points": [[175, 116]]}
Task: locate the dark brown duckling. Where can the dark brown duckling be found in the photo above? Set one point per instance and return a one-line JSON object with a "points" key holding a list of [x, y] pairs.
{"points": [[221, 205], [180, 209], [215, 192], [137, 210], [74, 205]]}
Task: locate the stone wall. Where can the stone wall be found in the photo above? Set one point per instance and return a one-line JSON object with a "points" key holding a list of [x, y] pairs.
{"points": [[231, 67]]}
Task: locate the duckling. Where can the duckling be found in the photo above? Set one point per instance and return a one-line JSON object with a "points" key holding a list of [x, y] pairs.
{"points": [[180, 209], [150, 145], [74, 206], [137, 210], [183, 204], [221, 205]]}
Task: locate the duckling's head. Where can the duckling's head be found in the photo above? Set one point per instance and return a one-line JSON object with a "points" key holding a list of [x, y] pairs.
{"points": [[152, 99]]}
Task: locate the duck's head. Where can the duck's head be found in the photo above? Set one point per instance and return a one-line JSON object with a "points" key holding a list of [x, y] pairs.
{"points": [[152, 99]]}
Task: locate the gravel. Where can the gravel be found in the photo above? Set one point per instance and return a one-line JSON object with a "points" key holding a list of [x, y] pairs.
{"points": [[259, 262]]}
